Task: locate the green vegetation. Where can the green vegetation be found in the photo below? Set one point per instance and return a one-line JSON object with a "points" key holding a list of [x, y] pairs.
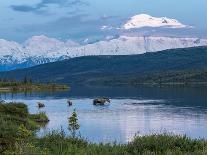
{"points": [[171, 78], [17, 125], [73, 124], [40, 118], [17, 137], [58, 144], [28, 85], [175, 66]]}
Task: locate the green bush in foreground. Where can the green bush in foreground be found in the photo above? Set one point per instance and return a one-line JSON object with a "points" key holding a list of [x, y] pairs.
{"points": [[57, 144], [17, 128], [16, 125]]}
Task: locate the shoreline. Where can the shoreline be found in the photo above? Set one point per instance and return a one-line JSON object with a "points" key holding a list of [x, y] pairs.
{"points": [[18, 128], [9, 86]]}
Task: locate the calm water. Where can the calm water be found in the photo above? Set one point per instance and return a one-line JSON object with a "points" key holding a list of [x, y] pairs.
{"points": [[142, 110]]}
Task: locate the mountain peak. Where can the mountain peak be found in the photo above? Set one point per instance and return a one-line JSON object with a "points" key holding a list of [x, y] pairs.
{"points": [[41, 49], [41, 38], [42, 45], [145, 20]]}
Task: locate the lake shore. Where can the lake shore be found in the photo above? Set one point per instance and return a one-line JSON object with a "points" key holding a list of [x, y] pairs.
{"points": [[21, 87], [18, 128]]}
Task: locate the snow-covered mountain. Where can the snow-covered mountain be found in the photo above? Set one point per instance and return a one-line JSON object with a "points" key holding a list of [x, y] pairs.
{"points": [[144, 20], [41, 49]]}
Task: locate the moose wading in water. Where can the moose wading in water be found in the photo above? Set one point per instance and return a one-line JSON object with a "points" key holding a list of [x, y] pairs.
{"points": [[70, 103], [101, 101], [40, 105]]}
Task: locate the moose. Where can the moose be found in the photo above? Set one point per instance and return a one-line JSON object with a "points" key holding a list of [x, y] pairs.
{"points": [[101, 101], [40, 105], [70, 103]]}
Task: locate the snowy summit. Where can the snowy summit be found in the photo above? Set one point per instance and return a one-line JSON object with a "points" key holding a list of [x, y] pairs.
{"points": [[144, 20], [42, 49]]}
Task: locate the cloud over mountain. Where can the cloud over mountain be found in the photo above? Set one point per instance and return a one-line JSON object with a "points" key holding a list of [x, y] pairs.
{"points": [[144, 20]]}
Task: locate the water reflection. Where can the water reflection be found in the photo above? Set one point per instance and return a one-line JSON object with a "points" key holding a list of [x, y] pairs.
{"points": [[142, 110]]}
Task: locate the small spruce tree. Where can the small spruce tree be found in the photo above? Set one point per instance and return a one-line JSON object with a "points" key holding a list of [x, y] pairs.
{"points": [[73, 124]]}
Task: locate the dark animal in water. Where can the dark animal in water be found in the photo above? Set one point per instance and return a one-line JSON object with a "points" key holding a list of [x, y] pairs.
{"points": [[101, 101], [70, 103], [40, 105]]}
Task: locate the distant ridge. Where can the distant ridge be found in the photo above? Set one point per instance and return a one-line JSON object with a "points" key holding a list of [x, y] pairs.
{"points": [[41, 49], [177, 65]]}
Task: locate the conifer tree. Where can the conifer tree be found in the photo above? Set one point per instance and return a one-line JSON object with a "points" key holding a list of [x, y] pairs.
{"points": [[73, 124]]}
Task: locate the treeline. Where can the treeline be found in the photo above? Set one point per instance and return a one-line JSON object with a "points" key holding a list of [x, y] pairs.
{"points": [[171, 66], [183, 77], [25, 80], [27, 84]]}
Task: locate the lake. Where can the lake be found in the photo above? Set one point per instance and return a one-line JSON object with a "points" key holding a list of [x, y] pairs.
{"points": [[133, 110]]}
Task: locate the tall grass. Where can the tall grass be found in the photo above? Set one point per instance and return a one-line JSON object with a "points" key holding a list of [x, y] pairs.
{"points": [[57, 144]]}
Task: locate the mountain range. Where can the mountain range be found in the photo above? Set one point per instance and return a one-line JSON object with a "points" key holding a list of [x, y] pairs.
{"points": [[175, 65], [41, 49]]}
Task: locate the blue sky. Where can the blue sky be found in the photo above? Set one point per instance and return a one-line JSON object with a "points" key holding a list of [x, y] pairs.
{"points": [[80, 19]]}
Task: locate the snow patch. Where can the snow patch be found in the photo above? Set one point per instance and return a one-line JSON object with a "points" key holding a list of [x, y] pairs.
{"points": [[41, 49], [144, 20]]}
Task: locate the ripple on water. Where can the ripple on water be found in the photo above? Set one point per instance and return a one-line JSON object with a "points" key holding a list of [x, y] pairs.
{"points": [[122, 118]]}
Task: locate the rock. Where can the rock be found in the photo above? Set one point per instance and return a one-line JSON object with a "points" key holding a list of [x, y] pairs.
{"points": [[40, 105], [101, 101]]}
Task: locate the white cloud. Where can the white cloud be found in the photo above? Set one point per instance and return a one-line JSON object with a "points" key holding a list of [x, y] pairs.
{"points": [[144, 20], [106, 27]]}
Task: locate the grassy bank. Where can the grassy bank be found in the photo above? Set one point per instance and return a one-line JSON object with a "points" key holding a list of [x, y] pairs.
{"points": [[28, 85], [17, 125], [17, 138]]}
